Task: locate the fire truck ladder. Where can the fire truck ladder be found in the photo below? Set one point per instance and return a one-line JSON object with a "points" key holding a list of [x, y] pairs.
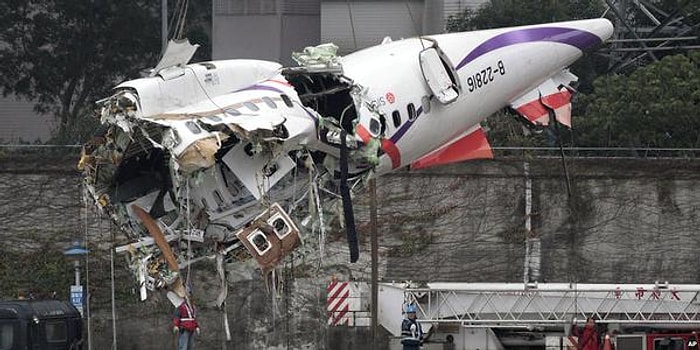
{"points": [[518, 305]]}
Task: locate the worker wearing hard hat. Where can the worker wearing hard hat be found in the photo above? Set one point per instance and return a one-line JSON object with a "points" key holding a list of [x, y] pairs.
{"points": [[411, 331]]}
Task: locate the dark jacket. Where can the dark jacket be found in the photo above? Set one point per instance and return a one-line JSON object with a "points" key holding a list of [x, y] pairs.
{"points": [[411, 336]]}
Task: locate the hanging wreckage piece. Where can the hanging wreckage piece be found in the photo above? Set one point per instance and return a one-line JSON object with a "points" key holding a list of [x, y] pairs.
{"points": [[226, 159]]}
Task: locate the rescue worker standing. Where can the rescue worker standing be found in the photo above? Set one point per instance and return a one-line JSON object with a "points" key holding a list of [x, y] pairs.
{"points": [[693, 341], [185, 325], [411, 331], [588, 339]]}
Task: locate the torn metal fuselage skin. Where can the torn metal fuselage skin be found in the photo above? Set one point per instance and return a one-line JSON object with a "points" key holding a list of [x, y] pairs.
{"points": [[220, 156]]}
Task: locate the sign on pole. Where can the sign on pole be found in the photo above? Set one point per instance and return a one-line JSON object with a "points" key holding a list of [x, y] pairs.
{"points": [[76, 297]]}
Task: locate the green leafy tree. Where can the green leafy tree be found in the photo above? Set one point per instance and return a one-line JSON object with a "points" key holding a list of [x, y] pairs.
{"points": [[65, 54], [507, 13], [656, 106]]}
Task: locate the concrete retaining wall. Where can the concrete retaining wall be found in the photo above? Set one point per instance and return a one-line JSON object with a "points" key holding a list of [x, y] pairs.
{"points": [[626, 221]]}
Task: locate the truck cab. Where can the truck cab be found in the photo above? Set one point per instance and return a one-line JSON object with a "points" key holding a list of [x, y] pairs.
{"points": [[40, 324]]}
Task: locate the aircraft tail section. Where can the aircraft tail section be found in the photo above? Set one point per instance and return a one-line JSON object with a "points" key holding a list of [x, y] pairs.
{"points": [[553, 94], [470, 145]]}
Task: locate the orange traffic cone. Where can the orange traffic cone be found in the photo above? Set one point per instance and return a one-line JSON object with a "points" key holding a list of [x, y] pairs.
{"points": [[606, 344]]}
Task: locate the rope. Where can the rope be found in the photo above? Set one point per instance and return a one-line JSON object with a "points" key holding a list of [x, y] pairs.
{"points": [[352, 25], [273, 282], [178, 19], [111, 265], [322, 228], [87, 270], [189, 233]]}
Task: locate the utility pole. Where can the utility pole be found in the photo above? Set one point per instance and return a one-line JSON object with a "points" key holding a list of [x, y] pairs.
{"points": [[164, 24], [375, 267]]}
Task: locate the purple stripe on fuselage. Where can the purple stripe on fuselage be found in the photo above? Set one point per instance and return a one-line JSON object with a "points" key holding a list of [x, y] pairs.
{"points": [[578, 38], [574, 37], [402, 130], [310, 115], [260, 87]]}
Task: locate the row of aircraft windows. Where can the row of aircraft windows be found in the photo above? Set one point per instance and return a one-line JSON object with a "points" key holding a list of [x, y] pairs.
{"points": [[195, 129], [411, 110]]}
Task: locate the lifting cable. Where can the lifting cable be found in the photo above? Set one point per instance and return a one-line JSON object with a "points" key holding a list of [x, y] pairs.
{"points": [[178, 19], [86, 294], [352, 24], [188, 231], [111, 265]]}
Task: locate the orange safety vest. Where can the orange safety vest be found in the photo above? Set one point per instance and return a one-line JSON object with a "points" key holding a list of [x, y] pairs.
{"points": [[185, 317]]}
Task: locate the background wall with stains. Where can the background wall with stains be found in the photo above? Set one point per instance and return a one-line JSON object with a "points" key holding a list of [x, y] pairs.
{"points": [[626, 221]]}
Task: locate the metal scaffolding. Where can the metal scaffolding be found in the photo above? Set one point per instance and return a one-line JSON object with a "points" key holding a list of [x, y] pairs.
{"points": [[644, 29], [550, 304]]}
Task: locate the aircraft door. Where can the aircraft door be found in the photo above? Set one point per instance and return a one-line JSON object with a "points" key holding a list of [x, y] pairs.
{"points": [[439, 74]]}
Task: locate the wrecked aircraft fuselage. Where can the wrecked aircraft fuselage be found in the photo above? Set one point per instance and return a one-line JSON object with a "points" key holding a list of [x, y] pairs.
{"points": [[233, 159], [220, 155]]}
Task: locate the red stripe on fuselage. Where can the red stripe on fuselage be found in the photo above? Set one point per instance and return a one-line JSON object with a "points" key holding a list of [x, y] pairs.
{"points": [[363, 133], [393, 152], [387, 146]]}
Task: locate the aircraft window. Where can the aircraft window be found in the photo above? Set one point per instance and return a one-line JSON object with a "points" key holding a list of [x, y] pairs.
{"points": [[269, 170], [251, 106], [233, 111], [374, 127], [287, 101], [425, 102], [218, 198], [281, 227], [411, 112], [208, 65], [7, 334], [56, 331], [214, 118], [259, 242], [193, 127], [248, 149], [396, 115], [269, 102], [204, 204]]}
